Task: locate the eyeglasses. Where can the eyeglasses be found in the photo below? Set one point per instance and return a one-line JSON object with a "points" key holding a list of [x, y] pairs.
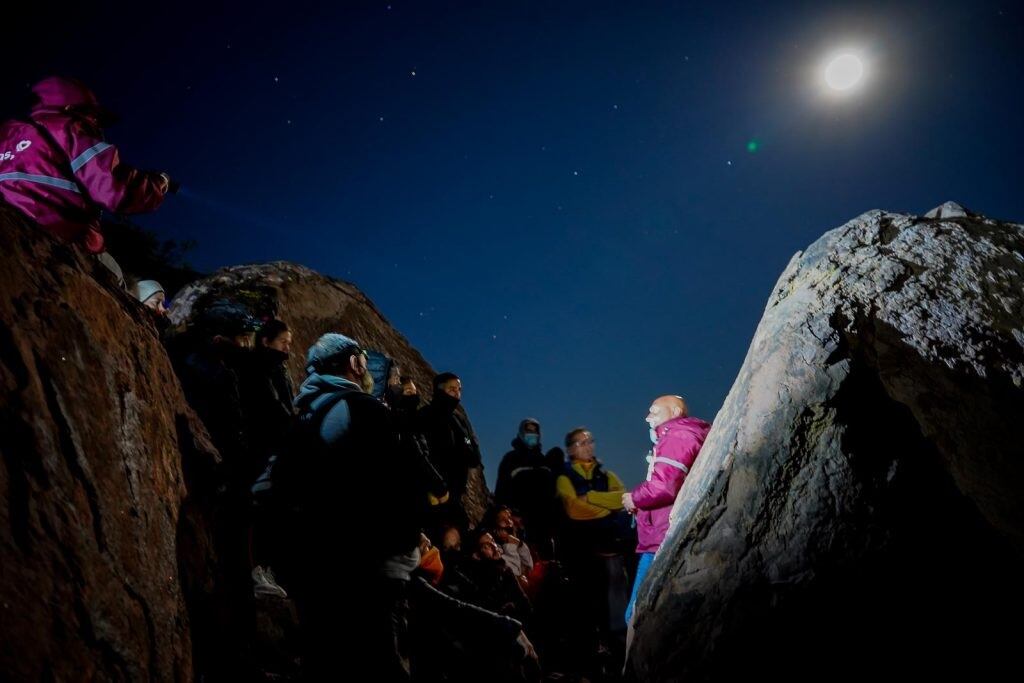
{"points": [[584, 442]]}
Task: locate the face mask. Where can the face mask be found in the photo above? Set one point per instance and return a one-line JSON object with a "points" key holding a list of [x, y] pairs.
{"points": [[531, 440], [654, 435], [446, 401]]}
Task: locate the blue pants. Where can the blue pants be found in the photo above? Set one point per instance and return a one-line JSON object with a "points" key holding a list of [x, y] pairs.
{"points": [[641, 572]]}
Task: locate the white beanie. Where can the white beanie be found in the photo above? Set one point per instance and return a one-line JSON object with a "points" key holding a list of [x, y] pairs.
{"points": [[144, 289]]}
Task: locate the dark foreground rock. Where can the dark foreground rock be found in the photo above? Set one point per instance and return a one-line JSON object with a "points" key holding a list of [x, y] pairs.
{"points": [[94, 436]]}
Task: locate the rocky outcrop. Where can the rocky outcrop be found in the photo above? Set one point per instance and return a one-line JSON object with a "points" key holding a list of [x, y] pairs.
{"points": [[856, 511], [313, 304], [94, 435]]}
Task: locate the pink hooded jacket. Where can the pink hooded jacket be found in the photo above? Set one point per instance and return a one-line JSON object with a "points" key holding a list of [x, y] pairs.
{"points": [[679, 442], [56, 169]]}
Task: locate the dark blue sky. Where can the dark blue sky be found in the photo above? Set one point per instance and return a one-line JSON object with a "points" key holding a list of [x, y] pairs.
{"points": [[554, 200]]}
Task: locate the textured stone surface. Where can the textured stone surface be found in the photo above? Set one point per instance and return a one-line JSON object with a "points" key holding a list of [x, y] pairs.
{"points": [[94, 432], [313, 304], [857, 509]]}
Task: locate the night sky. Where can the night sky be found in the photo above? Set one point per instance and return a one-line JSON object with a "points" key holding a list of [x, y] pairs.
{"points": [[575, 206]]}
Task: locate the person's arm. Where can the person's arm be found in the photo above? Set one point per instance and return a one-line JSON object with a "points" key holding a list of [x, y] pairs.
{"points": [[108, 181], [610, 499], [668, 473], [576, 506]]}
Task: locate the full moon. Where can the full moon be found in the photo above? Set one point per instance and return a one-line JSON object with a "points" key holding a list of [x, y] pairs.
{"points": [[844, 72]]}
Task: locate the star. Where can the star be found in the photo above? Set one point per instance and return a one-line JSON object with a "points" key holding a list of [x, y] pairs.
{"points": [[728, 163], [276, 79], [412, 73], [575, 172]]}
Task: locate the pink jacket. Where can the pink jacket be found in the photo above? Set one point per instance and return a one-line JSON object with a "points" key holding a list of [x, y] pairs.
{"points": [[679, 442], [56, 168]]}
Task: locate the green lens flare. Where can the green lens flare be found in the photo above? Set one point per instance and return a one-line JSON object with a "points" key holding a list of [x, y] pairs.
{"points": [[753, 146]]}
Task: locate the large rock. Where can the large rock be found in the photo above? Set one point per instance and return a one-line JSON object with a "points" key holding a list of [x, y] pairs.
{"points": [[313, 304], [94, 433], [857, 509]]}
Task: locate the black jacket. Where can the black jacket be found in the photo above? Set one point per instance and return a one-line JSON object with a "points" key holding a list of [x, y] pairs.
{"points": [[211, 386], [266, 392], [526, 483], [453, 446]]}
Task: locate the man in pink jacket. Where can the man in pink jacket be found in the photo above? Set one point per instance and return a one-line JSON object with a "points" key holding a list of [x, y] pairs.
{"points": [[56, 168], [677, 440]]}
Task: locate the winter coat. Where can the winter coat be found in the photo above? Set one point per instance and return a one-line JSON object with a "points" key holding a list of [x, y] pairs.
{"points": [[56, 168], [679, 442], [267, 393], [354, 479], [209, 379], [453, 446], [526, 483]]}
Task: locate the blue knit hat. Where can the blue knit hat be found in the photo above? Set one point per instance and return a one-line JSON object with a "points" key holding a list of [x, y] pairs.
{"points": [[329, 347]]}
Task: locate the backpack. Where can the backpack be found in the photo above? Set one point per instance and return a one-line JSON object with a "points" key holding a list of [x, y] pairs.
{"points": [[282, 477]]}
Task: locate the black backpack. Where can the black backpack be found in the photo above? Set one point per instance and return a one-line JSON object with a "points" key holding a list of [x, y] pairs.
{"points": [[277, 487]]}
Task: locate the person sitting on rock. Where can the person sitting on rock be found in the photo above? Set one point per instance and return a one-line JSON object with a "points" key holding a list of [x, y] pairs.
{"points": [[677, 440], [57, 169]]}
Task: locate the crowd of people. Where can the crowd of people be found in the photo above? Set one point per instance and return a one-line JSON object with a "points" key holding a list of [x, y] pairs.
{"points": [[350, 501]]}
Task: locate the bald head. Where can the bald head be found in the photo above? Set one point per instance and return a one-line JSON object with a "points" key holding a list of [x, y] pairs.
{"points": [[664, 409]]}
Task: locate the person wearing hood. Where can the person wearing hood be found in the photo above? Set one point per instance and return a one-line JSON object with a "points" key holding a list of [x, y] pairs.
{"points": [[57, 168], [526, 483], [351, 469], [677, 440], [453, 446]]}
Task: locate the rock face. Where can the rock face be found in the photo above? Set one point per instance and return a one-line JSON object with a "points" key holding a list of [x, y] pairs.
{"points": [[94, 433], [857, 509], [313, 304]]}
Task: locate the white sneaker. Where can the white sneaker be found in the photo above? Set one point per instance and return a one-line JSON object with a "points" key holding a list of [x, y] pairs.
{"points": [[265, 584]]}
